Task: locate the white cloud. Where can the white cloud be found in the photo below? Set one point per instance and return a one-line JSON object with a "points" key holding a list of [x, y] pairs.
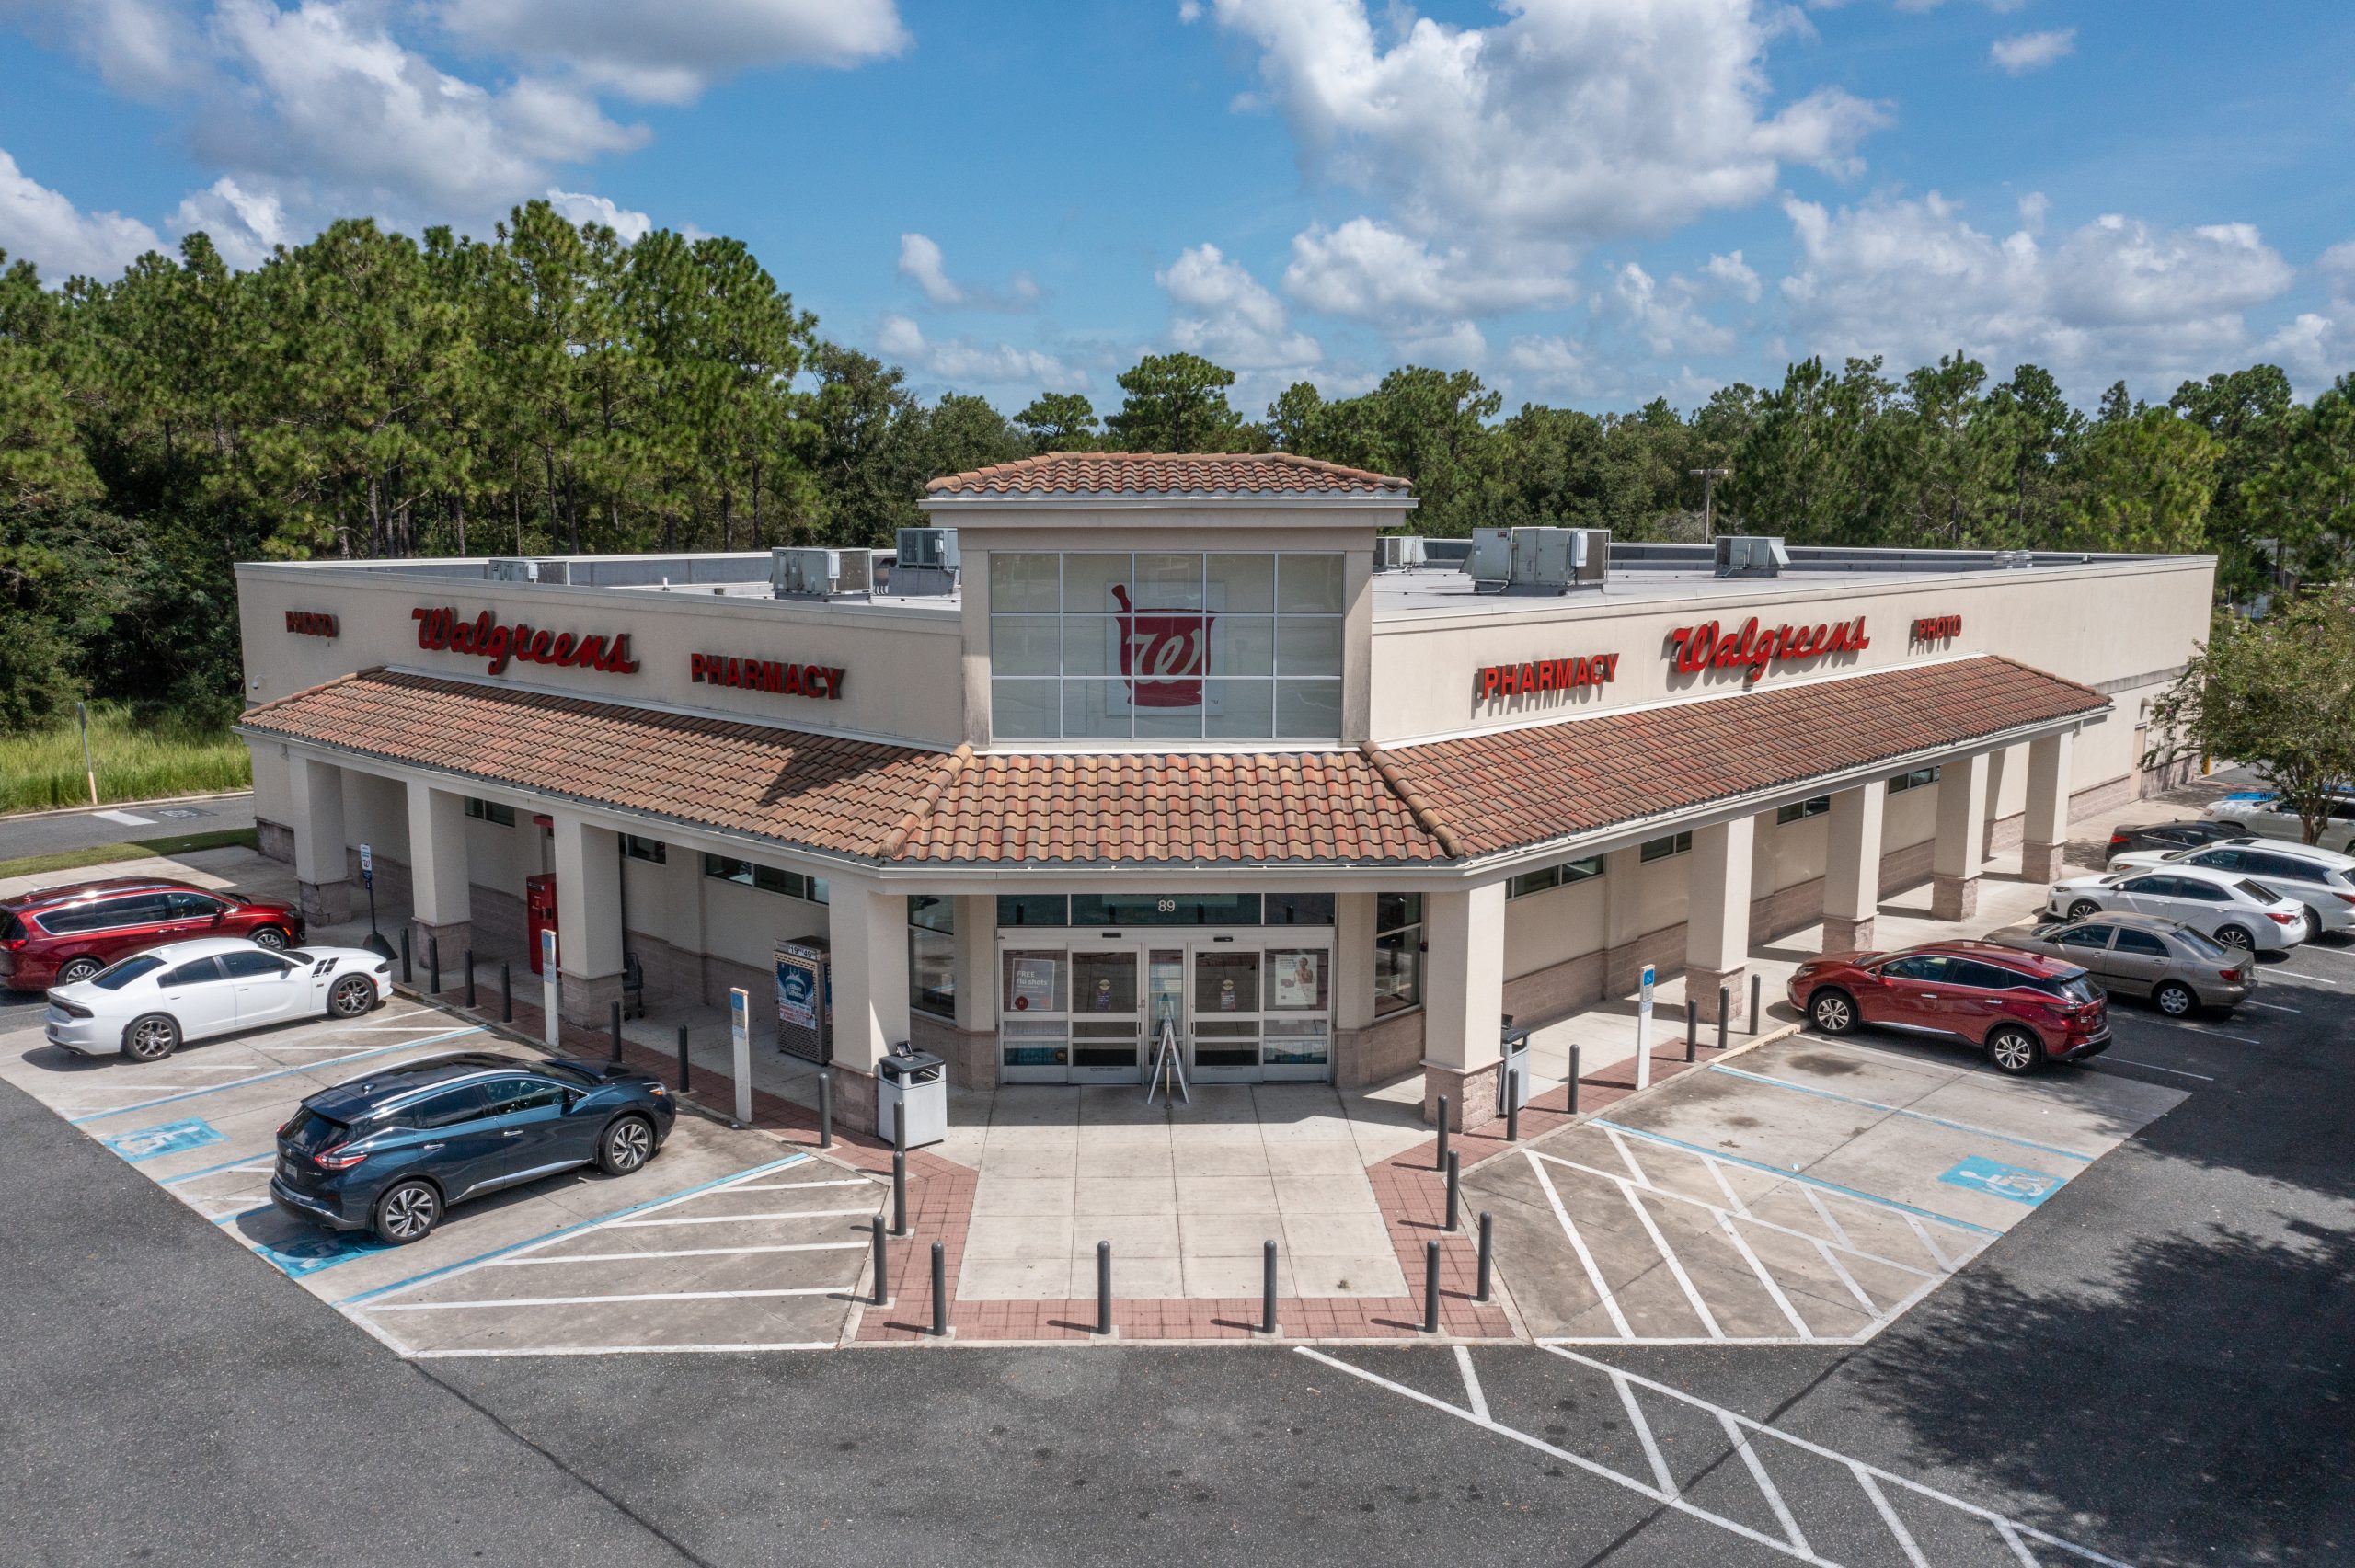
{"points": [[963, 364], [922, 263], [40, 226], [1665, 314], [1553, 364], [669, 53], [245, 226], [1227, 316], [1445, 344], [1735, 276], [1370, 270], [2024, 52], [583, 207]]}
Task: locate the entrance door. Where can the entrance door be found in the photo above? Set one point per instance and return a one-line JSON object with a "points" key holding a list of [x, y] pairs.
{"points": [[1105, 1020], [1226, 1014]]}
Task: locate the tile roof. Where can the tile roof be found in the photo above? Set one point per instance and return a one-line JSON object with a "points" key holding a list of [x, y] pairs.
{"points": [[1168, 473], [1413, 805]]}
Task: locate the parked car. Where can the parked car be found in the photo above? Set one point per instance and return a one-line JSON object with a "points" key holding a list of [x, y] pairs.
{"points": [[393, 1150], [2324, 880], [2179, 970], [148, 1005], [2270, 819], [2022, 1009], [2234, 910], [2129, 837], [62, 935]]}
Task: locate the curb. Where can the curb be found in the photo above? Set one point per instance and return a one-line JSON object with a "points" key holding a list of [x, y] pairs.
{"points": [[161, 800]]}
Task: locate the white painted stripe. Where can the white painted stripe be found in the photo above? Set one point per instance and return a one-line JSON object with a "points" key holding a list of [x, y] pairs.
{"points": [[1823, 1212], [1477, 1400], [590, 1300], [1650, 1342], [127, 818], [679, 1252], [1740, 1441], [1733, 1234], [2019, 1547], [620, 1350], [2155, 1067], [2294, 975], [1628, 1155], [1660, 1476], [1733, 1198], [1897, 1530], [732, 1219], [2272, 1006], [1922, 1234], [1832, 1258], [2202, 1029], [1675, 1265], [1577, 1244], [802, 1187]]}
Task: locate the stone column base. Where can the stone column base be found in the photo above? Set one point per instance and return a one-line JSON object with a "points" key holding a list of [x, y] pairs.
{"points": [[855, 1108], [1953, 897], [2041, 863], [1702, 985], [586, 1001], [455, 937], [323, 903], [1471, 1094], [275, 840], [1842, 933]]}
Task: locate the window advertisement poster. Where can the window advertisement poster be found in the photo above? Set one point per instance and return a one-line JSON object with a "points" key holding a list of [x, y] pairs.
{"points": [[1298, 978], [1034, 985]]}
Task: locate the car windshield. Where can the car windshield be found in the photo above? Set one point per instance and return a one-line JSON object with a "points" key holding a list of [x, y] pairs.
{"points": [[311, 1132], [2071, 986], [569, 1073], [120, 975], [2258, 891], [2201, 947], [296, 955]]}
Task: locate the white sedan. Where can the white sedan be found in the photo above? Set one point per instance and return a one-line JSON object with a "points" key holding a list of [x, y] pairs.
{"points": [[2233, 910], [2321, 880], [148, 1005]]}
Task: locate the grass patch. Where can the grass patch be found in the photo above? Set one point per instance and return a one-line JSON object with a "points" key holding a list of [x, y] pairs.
{"points": [[136, 760], [131, 849]]}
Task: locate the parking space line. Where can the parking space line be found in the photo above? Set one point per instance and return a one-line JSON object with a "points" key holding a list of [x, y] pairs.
{"points": [[1818, 1181], [746, 1349], [1660, 1475], [266, 1077], [1922, 1234], [2012, 1539], [1627, 1155], [679, 1252], [801, 1186], [1823, 1212], [1798, 1324], [1823, 1250], [1902, 1111], [2310, 980], [2200, 1029], [2271, 1007], [1740, 1441], [1733, 1198], [734, 1219], [1473, 1397], [1577, 1244], [2155, 1067], [1898, 1532], [242, 1162], [586, 1300], [1676, 1265]]}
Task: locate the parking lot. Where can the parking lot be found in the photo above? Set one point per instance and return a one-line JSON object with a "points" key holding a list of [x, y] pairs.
{"points": [[723, 1242]]}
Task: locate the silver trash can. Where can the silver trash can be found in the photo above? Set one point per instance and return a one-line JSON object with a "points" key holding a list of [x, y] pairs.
{"points": [[1514, 1073], [914, 1086]]}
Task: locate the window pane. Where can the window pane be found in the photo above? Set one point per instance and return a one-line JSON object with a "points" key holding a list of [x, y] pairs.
{"points": [[1088, 581], [1392, 910], [1309, 585], [1397, 970], [1026, 710], [1530, 882], [1091, 644], [1166, 582], [1226, 982], [932, 970], [1095, 708], [727, 870], [1298, 909], [1169, 724], [1026, 644], [1243, 584], [1020, 580], [1308, 647], [1034, 982], [1241, 709], [1309, 710], [1244, 645], [1113, 910], [1164, 658], [817, 893], [1034, 908], [1579, 870], [1104, 982], [1296, 980], [932, 914]]}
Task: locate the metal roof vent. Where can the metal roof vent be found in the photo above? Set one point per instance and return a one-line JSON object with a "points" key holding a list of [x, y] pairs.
{"points": [[1751, 556], [806, 573]]}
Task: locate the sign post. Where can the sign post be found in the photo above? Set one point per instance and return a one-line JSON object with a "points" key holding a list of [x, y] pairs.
{"points": [[89, 768], [1644, 1032], [740, 1043], [550, 1025], [375, 942]]}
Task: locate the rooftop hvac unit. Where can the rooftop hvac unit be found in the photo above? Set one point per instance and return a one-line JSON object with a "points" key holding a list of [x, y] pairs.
{"points": [[1537, 560], [1398, 551], [1491, 558], [805, 573], [1751, 555], [502, 568], [935, 548]]}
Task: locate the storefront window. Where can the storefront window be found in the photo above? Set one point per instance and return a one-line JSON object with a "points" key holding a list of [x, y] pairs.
{"points": [[1560, 876], [1172, 646], [1800, 810], [932, 955], [1034, 981], [1110, 910], [1397, 952], [1298, 909], [1660, 849], [1225, 984], [767, 878], [490, 811], [1034, 908], [645, 849], [1296, 980], [1914, 779]]}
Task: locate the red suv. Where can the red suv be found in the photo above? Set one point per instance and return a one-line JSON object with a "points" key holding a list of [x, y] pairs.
{"points": [[2023, 1010], [60, 936]]}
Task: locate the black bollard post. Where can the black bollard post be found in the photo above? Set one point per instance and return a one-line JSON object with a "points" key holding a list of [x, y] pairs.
{"points": [[899, 1192], [506, 992], [882, 1264], [939, 1291], [1691, 1027], [433, 962], [1574, 1080], [617, 1031], [1487, 1256], [407, 978], [1439, 1162], [1757, 993], [1725, 1009], [1104, 1287], [825, 1108], [1512, 1104], [1430, 1288], [1267, 1287], [1455, 1193], [683, 1066]]}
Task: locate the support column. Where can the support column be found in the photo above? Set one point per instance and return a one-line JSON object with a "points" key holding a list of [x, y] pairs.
{"points": [[869, 932], [1958, 853], [1852, 867], [2046, 834], [1622, 919], [587, 920], [441, 900], [975, 1066], [321, 873], [1716, 929], [1464, 1006]]}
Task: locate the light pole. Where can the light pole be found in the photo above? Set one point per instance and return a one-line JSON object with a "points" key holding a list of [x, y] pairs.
{"points": [[1709, 477]]}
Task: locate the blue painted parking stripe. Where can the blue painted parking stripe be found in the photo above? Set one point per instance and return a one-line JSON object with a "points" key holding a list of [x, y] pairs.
{"points": [[1902, 1111], [1795, 1176], [216, 1170], [789, 1160], [246, 1214], [266, 1077]]}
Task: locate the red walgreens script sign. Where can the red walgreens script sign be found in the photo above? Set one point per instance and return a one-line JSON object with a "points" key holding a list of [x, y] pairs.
{"points": [[1544, 675], [1752, 649], [1162, 653], [311, 623], [484, 637]]}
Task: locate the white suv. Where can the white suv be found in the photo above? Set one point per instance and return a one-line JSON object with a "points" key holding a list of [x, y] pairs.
{"points": [[2269, 818], [2232, 910], [2323, 879]]}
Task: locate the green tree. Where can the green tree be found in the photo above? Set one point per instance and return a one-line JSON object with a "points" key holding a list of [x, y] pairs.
{"points": [[1177, 403], [2252, 413], [2142, 482], [1060, 421], [2305, 499]]}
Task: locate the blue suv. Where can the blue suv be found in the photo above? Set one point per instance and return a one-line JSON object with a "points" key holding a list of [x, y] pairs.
{"points": [[393, 1150]]}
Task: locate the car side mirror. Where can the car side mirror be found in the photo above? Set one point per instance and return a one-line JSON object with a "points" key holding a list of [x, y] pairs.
{"points": [[220, 915]]}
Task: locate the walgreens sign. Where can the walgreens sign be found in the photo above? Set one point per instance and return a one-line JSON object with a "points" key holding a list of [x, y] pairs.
{"points": [[443, 631], [1755, 649]]}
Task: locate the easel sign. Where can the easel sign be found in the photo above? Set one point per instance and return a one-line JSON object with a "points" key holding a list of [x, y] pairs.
{"points": [[1168, 1065]]}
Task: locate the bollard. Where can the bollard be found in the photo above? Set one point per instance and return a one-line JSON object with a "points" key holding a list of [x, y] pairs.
{"points": [[825, 1108], [1757, 991], [939, 1291], [1455, 1193], [882, 1264], [470, 981], [1725, 1008], [899, 1192], [1692, 1028], [1430, 1288], [1439, 1161], [1512, 1104], [1487, 1255], [683, 1078], [506, 992], [617, 1031], [899, 1122], [1267, 1287], [408, 979], [1104, 1287], [1574, 1080], [434, 963]]}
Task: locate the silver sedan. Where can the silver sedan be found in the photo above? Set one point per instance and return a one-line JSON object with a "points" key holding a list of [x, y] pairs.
{"points": [[2180, 969]]}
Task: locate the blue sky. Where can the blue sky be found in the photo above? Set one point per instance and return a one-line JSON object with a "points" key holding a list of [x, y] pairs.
{"points": [[1590, 201]]}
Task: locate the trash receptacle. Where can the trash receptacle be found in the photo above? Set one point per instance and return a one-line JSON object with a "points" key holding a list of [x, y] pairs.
{"points": [[914, 1085], [1513, 1074]]}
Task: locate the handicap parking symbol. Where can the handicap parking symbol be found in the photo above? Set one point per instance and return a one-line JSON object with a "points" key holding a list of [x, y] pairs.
{"points": [[2014, 1183], [166, 1138], [312, 1251]]}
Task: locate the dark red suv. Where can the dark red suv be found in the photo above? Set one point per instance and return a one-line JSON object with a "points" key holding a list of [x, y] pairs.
{"points": [[2022, 1009], [60, 936]]}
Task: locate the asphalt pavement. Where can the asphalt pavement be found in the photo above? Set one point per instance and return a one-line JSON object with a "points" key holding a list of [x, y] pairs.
{"points": [[49, 834]]}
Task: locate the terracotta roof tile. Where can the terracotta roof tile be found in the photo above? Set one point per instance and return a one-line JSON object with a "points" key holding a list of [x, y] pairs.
{"points": [[1167, 474]]}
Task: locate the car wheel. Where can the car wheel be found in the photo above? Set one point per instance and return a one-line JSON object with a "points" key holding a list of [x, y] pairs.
{"points": [[2082, 907], [407, 1212], [629, 1143], [151, 1038], [269, 936], [1833, 1012], [2235, 936], [74, 971], [352, 995], [2175, 999], [2315, 930], [2014, 1051]]}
